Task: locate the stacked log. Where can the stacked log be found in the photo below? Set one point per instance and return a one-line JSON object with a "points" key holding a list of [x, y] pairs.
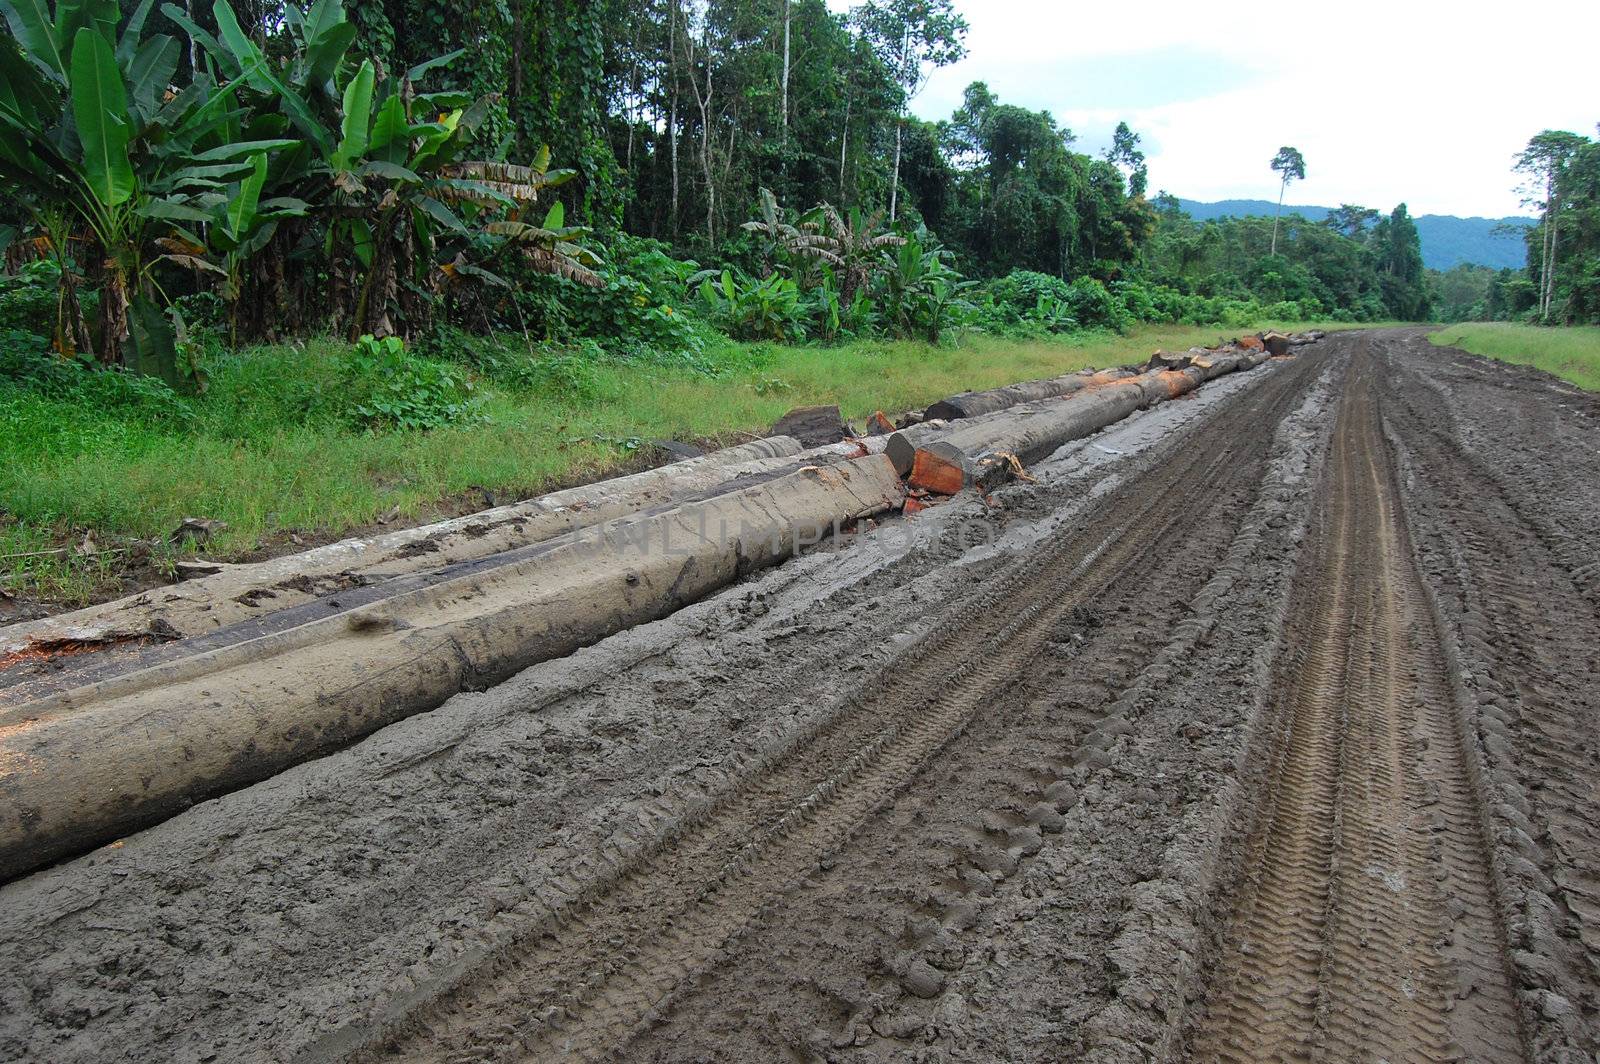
{"points": [[947, 461]]}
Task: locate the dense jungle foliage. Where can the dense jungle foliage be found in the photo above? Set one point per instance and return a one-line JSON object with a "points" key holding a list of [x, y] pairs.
{"points": [[629, 175], [298, 267]]}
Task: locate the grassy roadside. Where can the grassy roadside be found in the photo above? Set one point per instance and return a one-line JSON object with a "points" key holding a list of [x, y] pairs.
{"points": [[253, 452], [1571, 352]]}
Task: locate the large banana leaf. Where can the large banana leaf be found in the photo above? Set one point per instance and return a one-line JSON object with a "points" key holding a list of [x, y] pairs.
{"points": [[35, 30], [128, 43], [23, 90], [153, 339], [240, 214], [357, 118], [100, 108], [391, 133], [101, 16], [252, 64], [151, 69]]}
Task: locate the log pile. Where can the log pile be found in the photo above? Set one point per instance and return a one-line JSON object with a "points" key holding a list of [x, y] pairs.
{"points": [[258, 683]]}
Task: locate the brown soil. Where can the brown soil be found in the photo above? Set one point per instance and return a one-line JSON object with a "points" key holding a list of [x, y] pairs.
{"points": [[1264, 726]]}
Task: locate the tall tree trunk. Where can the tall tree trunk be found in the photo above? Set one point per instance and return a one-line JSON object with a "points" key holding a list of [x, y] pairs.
{"points": [[672, 117], [1544, 259], [844, 142], [705, 161], [1282, 185], [894, 184], [900, 122], [783, 96], [1555, 247], [703, 103]]}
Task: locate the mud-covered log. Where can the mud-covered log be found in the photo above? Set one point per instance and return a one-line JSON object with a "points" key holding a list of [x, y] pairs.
{"points": [[88, 765], [235, 593], [944, 469], [813, 426], [1033, 430]]}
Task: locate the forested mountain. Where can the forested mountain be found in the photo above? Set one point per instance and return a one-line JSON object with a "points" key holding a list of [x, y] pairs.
{"points": [[1446, 239]]}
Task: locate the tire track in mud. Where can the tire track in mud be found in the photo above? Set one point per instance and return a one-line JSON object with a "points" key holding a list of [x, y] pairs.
{"points": [[1000, 861], [1528, 632], [576, 986], [1371, 928]]}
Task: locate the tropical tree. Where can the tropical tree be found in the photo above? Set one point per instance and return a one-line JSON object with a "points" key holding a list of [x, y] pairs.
{"points": [[1125, 154], [1399, 262], [1543, 164], [1351, 220], [1289, 165], [910, 37]]}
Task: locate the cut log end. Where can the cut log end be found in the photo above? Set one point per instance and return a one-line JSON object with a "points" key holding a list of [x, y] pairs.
{"points": [[813, 426]]}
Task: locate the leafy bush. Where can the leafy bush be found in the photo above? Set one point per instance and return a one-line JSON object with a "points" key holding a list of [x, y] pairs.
{"points": [[27, 365], [28, 297], [388, 387], [1092, 305], [1025, 302], [635, 312], [768, 309]]}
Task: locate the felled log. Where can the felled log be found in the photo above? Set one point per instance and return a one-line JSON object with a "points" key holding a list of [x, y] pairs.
{"points": [[230, 594], [901, 446], [1032, 431], [944, 469], [1276, 343], [812, 425], [972, 404], [91, 764], [879, 424]]}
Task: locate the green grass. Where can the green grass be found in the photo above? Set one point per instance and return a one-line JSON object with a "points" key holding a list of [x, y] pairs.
{"points": [[260, 453], [1571, 352]]}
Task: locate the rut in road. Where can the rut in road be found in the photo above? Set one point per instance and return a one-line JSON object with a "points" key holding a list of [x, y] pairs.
{"points": [[1370, 930], [578, 986]]}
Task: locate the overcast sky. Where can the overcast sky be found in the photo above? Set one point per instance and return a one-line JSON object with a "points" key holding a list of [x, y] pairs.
{"points": [[1389, 100]]}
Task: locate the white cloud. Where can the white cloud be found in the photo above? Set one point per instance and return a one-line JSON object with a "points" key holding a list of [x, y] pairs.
{"points": [[1389, 101]]}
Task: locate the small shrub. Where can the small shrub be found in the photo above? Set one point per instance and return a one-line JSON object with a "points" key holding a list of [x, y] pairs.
{"points": [[388, 387]]}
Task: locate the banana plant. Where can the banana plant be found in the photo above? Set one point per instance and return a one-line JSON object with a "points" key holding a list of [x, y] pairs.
{"points": [[386, 166], [923, 290], [851, 244], [91, 122], [765, 309]]}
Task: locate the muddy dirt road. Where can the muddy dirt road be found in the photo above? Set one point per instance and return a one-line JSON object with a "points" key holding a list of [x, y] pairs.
{"points": [[1264, 726]]}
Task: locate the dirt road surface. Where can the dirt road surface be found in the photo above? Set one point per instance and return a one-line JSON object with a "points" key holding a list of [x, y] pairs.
{"points": [[1264, 726]]}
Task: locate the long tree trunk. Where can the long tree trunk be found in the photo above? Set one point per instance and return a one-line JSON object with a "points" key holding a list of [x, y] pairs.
{"points": [[844, 141], [783, 96], [1282, 185], [907, 82], [672, 116], [1555, 247], [894, 184], [703, 102], [1544, 259]]}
